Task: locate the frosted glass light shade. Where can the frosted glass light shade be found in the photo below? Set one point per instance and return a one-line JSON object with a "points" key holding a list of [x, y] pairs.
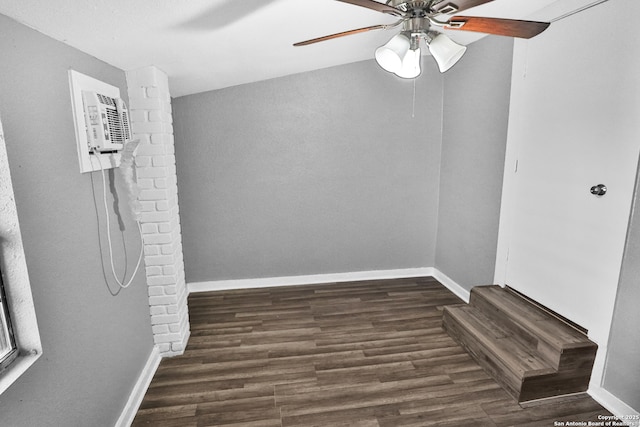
{"points": [[390, 55], [446, 52], [410, 68]]}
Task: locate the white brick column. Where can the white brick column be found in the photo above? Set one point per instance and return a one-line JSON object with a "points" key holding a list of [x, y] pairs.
{"points": [[151, 122]]}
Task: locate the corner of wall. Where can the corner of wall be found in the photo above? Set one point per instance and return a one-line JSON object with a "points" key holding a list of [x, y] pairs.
{"points": [[140, 388], [151, 122], [474, 134]]}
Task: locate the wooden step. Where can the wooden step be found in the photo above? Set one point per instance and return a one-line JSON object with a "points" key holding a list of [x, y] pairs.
{"points": [[532, 354], [558, 343], [506, 360]]}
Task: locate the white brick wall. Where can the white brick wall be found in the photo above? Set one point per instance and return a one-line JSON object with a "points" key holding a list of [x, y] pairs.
{"points": [[151, 122]]}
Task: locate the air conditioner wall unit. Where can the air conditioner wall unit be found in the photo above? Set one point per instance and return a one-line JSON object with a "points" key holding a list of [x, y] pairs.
{"points": [[101, 122], [107, 122]]}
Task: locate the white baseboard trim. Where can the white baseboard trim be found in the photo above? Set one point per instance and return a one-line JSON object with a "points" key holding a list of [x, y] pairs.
{"points": [[139, 389], [454, 287], [616, 406], [223, 285]]}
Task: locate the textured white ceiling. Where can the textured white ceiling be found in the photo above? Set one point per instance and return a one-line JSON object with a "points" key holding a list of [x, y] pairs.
{"points": [[211, 44]]}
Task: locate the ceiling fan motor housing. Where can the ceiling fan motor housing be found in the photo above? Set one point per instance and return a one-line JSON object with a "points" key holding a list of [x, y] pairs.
{"points": [[419, 7], [416, 25], [418, 15]]}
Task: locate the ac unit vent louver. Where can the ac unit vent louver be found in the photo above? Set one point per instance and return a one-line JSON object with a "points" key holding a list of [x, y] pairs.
{"points": [[124, 117], [107, 100], [116, 131]]}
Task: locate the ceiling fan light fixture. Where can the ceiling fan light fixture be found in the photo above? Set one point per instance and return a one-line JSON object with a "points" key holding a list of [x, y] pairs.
{"points": [[401, 54], [445, 51], [391, 55], [410, 68]]}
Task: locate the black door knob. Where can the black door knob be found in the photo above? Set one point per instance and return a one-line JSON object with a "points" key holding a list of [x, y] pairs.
{"points": [[599, 190]]}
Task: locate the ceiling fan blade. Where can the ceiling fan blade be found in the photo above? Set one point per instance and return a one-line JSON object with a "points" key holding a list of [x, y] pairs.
{"points": [[455, 6], [497, 26], [342, 34], [374, 5]]}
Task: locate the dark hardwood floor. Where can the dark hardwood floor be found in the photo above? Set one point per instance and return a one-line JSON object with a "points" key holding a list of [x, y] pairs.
{"points": [[358, 354]]}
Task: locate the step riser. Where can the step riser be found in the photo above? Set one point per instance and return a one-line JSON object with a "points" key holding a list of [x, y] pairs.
{"points": [[555, 385], [577, 360]]}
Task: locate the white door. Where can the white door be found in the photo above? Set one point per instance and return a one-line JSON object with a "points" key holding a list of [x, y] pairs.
{"points": [[574, 123]]}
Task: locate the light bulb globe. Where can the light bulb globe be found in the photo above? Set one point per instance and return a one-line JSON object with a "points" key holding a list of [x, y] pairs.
{"points": [[390, 55], [445, 51]]}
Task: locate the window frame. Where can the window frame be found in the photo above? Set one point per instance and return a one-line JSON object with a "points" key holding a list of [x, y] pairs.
{"points": [[6, 328], [17, 286]]}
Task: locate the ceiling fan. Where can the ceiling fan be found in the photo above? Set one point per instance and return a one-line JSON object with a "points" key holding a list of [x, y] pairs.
{"points": [[422, 20]]}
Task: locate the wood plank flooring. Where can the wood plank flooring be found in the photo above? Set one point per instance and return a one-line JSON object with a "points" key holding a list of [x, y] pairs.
{"points": [[359, 354]]}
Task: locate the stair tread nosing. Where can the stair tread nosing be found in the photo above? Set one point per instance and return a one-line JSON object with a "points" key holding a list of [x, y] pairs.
{"points": [[545, 327], [519, 359]]}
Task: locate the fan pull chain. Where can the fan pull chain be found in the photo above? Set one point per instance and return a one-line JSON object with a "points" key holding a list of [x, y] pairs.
{"points": [[581, 9], [413, 110]]}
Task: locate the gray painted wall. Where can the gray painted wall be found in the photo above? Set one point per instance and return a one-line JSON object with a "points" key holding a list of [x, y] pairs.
{"points": [[476, 112], [95, 343], [622, 369], [321, 172]]}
